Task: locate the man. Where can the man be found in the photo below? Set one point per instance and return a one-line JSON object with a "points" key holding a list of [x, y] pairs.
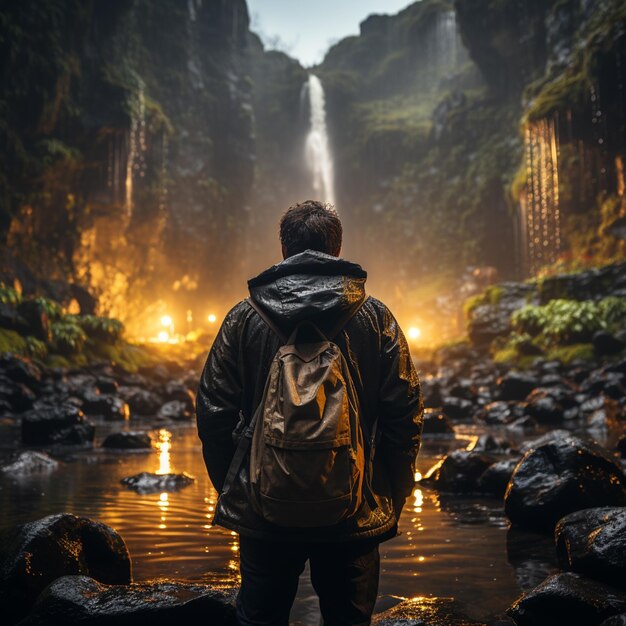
{"points": [[312, 283]]}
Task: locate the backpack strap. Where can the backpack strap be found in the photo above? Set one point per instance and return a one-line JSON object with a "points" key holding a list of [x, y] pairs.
{"points": [[268, 320], [338, 327]]}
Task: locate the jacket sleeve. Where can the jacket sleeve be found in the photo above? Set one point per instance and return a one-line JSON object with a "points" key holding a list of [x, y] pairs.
{"points": [[219, 400], [400, 411]]}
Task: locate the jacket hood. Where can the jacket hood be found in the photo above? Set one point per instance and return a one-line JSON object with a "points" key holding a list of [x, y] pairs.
{"points": [[308, 285]]}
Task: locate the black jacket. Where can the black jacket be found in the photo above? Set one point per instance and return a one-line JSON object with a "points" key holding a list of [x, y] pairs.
{"points": [[321, 288]]}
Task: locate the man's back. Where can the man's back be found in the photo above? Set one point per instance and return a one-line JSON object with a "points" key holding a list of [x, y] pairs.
{"points": [[314, 286]]}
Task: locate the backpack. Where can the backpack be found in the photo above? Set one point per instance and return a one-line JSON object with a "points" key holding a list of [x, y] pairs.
{"points": [[307, 460]]}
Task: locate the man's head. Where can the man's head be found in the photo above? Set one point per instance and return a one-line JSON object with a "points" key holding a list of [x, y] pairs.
{"points": [[310, 225]]}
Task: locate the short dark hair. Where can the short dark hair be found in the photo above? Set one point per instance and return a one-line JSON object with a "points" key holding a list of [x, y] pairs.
{"points": [[311, 225]]}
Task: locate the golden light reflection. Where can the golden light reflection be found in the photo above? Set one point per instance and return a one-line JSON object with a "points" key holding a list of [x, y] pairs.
{"points": [[166, 321], [418, 500], [163, 503], [163, 336], [163, 446], [212, 318], [473, 440], [414, 333], [418, 476], [233, 564]]}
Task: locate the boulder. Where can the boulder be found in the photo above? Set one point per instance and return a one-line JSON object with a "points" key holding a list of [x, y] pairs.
{"points": [[523, 423], [425, 611], [141, 401], [496, 413], [607, 344], [568, 598], [489, 443], [592, 542], [560, 477], [111, 408], [18, 397], [544, 407], [128, 441], [435, 423], [457, 408], [30, 462], [83, 600], [19, 369], [104, 384], [146, 482], [36, 553], [552, 435], [431, 391], [61, 423], [180, 392], [496, 477], [460, 471], [516, 385], [175, 410]]}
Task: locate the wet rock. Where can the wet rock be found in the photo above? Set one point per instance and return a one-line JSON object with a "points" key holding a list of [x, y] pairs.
{"points": [[128, 441], [516, 385], [560, 477], [35, 554], [495, 413], [177, 391], [63, 423], [431, 390], [602, 419], [146, 482], [435, 423], [30, 462], [496, 477], [489, 443], [553, 435], [111, 408], [568, 598], [607, 344], [425, 611], [457, 408], [593, 543], [460, 471], [83, 600], [17, 397], [465, 390], [107, 385], [141, 401], [20, 370], [544, 408], [523, 423], [175, 410]]}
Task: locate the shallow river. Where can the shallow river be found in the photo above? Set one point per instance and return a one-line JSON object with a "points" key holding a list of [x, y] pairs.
{"points": [[449, 547]]}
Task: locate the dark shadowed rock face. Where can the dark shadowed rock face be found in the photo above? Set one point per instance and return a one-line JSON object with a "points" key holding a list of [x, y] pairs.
{"points": [[560, 477], [566, 599], [516, 385], [496, 477], [145, 482], [62, 423], [460, 471], [30, 462], [141, 401], [621, 447], [83, 600], [424, 612], [457, 408], [34, 554], [128, 441], [109, 407], [20, 370], [175, 410], [592, 542]]}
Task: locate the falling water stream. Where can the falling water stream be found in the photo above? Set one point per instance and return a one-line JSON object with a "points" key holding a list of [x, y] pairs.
{"points": [[317, 148]]}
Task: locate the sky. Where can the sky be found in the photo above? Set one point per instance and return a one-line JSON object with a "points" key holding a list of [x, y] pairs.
{"points": [[305, 29]]}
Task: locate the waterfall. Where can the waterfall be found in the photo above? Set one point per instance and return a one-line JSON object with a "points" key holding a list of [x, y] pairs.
{"points": [[317, 150], [447, 42], [135, 158], [541, 219]]}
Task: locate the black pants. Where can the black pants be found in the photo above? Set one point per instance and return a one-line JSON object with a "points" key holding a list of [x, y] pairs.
{"points": [[344, 576]]}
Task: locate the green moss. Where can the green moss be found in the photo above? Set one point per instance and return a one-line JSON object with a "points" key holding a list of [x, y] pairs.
{"points": [[567, 91], [567, 354], [9, 295], [12, 341]]}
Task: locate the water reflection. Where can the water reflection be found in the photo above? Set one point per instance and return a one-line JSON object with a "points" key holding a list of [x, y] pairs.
{"points": [[164, 446]]}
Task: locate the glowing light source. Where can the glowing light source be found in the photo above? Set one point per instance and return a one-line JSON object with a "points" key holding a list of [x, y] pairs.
{"points": [[166, 320], [414, 332], [163, 336], [212, 318]]}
